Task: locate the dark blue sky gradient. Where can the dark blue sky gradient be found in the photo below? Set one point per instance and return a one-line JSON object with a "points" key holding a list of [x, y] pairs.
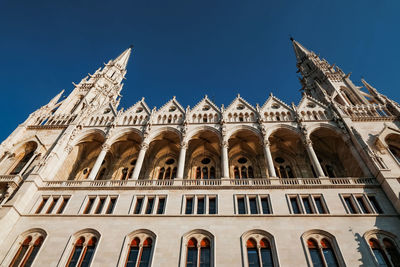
{"points": [[189, 48]]}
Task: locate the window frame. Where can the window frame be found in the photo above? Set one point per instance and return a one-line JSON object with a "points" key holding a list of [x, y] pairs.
{"points": [[145, 200], [311, 200], [380, 235], [142, 234], [15, 247], [258, 200], [258, 235], [365, 200], [199, 235], [195, 199], [51, 204], [96, 204], [88, 234], [319, 235]]}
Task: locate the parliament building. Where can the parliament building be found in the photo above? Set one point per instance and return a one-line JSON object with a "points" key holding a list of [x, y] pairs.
{"points": [[85, 183]]}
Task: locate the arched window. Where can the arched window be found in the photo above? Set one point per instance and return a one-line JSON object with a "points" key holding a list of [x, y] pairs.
{"points": [[161, 173], [205, 172], [204, 168], [167, 168], [27, 251], [168, 173], [101, 174], [383, 248], [174, 170], [139, 254], [258, 247], [21, 164], [199, 250], [283, 168], [242, 168], [198, 173], [322, 249], [83, 250], [250, 172], [236, 172], [395, 152], [212, 172]]}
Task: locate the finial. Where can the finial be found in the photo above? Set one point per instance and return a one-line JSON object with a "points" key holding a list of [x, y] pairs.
{"points": [[291, 38], [131, 46]]}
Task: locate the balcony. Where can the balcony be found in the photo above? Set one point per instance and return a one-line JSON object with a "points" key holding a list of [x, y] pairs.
{"points": [[265, 183]]}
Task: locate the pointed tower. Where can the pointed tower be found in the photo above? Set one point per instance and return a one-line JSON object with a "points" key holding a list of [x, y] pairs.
{"points": [[97, 89], [323, 81]]}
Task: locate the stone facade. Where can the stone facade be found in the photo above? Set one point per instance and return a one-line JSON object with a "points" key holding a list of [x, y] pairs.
{"points": [[317, 184]]}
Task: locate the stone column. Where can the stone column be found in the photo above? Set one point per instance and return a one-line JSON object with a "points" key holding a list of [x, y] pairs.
{"points": [[225, 159], [313, 158], [268, 158], [182, 157], [99, 160], [139, 162]]}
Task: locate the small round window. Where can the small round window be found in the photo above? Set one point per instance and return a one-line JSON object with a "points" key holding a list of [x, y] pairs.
{"points": [[107, 110], [133, 162], [205, 161], [172, 108], [138, 110], [170, 161], [205, 108], [311, 105], [242, 160], [240, 107], [279, 160], [275, 106]]}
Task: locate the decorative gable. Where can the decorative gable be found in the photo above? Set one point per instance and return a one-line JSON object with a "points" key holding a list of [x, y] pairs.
{"points": [[102, 116], [204, 112], [275, 109], [138, 114], [311, 109], [240, 111], [170, 113]]}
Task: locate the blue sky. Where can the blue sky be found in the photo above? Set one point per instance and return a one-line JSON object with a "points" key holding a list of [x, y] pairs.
{"points": [[189, 48]]}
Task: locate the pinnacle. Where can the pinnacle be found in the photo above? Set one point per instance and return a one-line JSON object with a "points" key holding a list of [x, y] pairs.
{"points": [[122, 60], [299, 50]]}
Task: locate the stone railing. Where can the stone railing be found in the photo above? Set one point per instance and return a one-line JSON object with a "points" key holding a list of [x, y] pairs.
{"points": [[186, 183], [16, 179]]}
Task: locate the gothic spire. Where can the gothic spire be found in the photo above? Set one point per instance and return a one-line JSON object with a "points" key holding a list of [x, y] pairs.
{"points": [[299, 50], [122, 60]]}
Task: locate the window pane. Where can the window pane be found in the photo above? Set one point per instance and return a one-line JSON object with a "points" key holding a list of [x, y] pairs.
{"points": [[88, 256], [75, 256], [205, 257], [150, 203], [20, 254], [63, 205], [329, 257], [253, 206], [265, 205], [161, 204], [350, 205], [100, 206], [316, 258], [391, 249], [266, 257], [138, 206], [252, 257], [89, 206], [307, 205], [145, 258], [32, 256], [189, 206], [52, 205], [241, 206], [41, 205], [191, 260], [295, 206], [320, 207], [200, 205], [362, 205], [132, 257], [375, 204], [212, 205], [380, 258], [111, 205]]}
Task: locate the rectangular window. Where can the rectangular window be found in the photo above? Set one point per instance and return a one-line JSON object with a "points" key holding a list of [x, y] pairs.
{"points": [[100, 205], [52, 205], [320, 206], [212, 205], [361, 204], [161, 205], [241, 205], [253, 205], [89, 205], [150, 204], [265, 205], [200, 205], [41, 205], [189, 205], [307, 205], [111, 205], [350, 205], [375, 204], [63, 205], [295, 205], [138, 207]]}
